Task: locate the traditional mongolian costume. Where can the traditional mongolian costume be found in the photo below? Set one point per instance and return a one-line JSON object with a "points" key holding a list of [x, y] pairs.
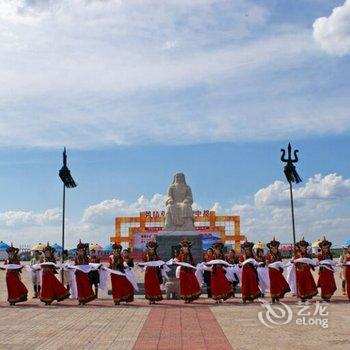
{"points": [[221, 288], [326, 279], [85, 292], [153, 275], [278, 284], [189, 286], [249, 277], [306, 287], [51, 288], [16, 290], [122, 289]]}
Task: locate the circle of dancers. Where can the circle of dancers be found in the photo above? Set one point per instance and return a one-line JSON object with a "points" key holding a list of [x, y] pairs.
{"points": [[255, 272]]}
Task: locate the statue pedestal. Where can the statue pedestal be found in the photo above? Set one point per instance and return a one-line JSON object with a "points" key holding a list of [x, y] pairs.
{"points": [[169, 244]]}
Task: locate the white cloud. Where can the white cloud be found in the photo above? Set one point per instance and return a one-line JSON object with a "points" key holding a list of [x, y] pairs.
{"points": [[333, 33], [94, 73], [329, 187], [104, 213], [19, 219]]}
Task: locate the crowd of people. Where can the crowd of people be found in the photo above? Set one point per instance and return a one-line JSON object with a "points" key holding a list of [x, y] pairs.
{"points": [[254, 271]]}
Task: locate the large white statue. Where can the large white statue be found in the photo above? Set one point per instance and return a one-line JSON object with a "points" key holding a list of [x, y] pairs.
{"points": [[179, 214]]}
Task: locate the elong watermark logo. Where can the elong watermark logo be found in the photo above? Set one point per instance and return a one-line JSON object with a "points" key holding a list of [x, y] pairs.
{"points": [[277, 315]]}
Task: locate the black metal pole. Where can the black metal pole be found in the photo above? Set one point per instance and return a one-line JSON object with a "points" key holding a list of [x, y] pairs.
{"points": [[63, 226], [292, 208]]}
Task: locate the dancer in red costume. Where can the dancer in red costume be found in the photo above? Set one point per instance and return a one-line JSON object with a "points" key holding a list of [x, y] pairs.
{"points": [[153, 276], [189, 286], [51, 288], [122, 289], [306, 287], [326, 275], [85, 292], [16, 290], [347, 272], [249, 278], [221, 288], [278, 284]]}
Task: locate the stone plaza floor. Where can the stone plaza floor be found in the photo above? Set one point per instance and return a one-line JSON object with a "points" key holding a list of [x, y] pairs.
{"points": [[172, 325]]}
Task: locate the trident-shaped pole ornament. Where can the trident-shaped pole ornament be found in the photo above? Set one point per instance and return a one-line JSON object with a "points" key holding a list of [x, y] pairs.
{"points": [[289, 169], [292, 176]]}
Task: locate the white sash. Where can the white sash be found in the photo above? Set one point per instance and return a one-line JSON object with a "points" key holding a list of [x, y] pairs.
{"points": [[307, 261], [12, 267], [156, 263], [180, 263], [219, 262], [128, 274], [277, 265], [41, 265], [291, 278], [250, 261], [264, 279], [328, 264]]}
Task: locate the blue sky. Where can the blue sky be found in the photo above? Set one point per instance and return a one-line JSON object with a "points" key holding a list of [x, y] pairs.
{"points": [[140, 90]]}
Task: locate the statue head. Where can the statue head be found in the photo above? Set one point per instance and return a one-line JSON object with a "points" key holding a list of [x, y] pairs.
{"points": [[179, 178]]}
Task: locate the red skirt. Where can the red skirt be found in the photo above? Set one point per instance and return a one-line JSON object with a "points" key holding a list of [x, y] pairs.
{"points": [[250, 286], [306, 286], [51, 288], [16, 290], [189, 286], [347, 278], [122, 289], [278, 284], [152, 287], [85, 292], [327, 283], [221, 288]]}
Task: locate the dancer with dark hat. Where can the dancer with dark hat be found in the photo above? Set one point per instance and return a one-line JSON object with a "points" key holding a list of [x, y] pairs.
{"points": [[85, 292], [122, 289], [306, 286], [51, 288], [189, 286], [16, 290], [326, 279], [249, 276], [221, 288], [153, 275], [278, 284]]}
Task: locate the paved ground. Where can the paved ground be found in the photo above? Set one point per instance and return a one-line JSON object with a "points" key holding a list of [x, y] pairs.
{"points": [[169, 325]]}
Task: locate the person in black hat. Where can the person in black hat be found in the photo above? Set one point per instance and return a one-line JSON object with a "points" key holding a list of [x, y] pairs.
{"points": [[85, 292], [153, 275], [306, 286], [189, 286], [249, 278], [221, 288], [278, 284], [122, 289], [51, 288], [326, 279], [16, 290]]}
